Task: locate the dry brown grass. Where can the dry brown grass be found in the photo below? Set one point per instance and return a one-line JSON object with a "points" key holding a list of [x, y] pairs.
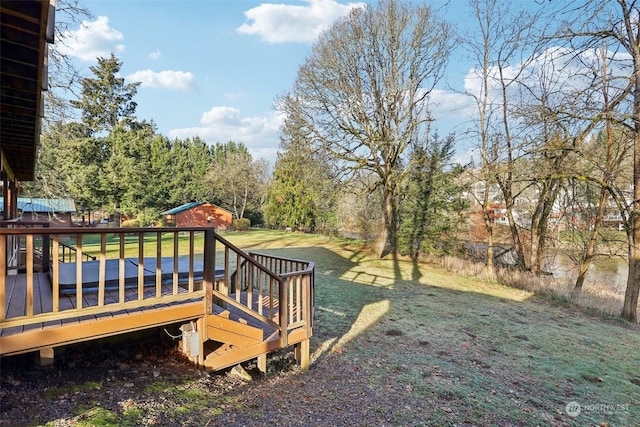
{"points": [[601, 300]]}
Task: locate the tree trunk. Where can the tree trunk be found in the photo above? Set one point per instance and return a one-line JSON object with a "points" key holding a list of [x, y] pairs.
{"points": [[387, 238], [116, 213], [540, 222], [490, 252], [585, 260], [488, 226], [534, 262], [630, 308], [515, 235]]}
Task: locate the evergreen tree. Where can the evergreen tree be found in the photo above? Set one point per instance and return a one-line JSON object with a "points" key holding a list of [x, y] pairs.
{"points": [[434, 202], [106, 100], [302, 190], [192, 162]]}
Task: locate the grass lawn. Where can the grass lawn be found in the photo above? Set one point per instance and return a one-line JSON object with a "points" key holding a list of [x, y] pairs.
{"points": [[456, 350]]}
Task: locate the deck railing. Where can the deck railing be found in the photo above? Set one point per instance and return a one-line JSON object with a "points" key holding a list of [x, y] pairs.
{"points": [[298, 281], [70, 254], [135, 268], [273, 290]]}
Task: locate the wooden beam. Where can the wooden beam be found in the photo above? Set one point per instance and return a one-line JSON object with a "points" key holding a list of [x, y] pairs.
{"points": [[302, 354], [71, 333]]}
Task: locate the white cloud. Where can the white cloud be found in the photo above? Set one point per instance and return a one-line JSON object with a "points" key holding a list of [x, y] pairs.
{"points": [[234, 95], [280, 23], [260, 134], [154, 55], [92, 40], [178, 80], [449, 104]]}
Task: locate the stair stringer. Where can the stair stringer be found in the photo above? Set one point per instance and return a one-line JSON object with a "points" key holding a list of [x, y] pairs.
{"points": [[228, 355], [232, 332]]}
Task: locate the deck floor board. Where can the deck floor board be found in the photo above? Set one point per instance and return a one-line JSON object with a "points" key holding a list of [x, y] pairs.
{"points": [[16, 296]]}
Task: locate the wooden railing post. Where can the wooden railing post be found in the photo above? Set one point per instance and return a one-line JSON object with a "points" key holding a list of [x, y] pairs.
{"points": [[306, 302], [209, 268], [3, 274], [29, 270], [46, 256], [283, 301]]}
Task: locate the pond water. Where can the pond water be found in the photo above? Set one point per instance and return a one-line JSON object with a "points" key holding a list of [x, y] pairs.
{"points": [[610, 273]]}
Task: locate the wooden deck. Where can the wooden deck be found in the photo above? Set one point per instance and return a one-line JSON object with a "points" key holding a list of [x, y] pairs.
{"points": [[246, 307], [66, 330]]}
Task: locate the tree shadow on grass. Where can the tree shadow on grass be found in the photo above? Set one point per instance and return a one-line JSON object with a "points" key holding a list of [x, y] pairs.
{"points": [[470, 349], [344, 285]]}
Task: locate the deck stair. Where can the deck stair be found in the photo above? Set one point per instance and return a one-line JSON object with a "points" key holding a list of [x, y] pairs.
{"points": [[234, 337], [237, 333]]}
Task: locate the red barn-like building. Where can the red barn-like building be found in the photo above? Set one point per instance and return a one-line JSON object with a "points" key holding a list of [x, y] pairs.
{"points": [[197, 214]]}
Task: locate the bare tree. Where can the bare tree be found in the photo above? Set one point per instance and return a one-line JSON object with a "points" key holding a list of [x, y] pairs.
{"points": [[64, 76], [604, 162], [615, 23], [63, 80], [239, 180], [365, 90], [498, 46]]}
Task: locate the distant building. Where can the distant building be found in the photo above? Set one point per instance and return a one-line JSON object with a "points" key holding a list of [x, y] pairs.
{"points": [[199, 214], [57, 212]]}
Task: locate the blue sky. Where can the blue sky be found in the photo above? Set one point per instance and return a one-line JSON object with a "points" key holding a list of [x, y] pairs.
{"points": [[213, 68]]}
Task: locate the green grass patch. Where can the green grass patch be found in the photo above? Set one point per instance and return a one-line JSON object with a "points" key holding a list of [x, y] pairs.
{"points": [[99, 417], [56, 392], [472, 350]]}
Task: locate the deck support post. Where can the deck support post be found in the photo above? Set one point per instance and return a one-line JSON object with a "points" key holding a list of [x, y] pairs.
{"points": [[301, 353], [262, 363], [202, 328], [45, 357]]}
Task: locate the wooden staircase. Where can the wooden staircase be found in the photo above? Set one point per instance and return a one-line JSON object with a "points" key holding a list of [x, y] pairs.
{"points": [[233, 341], [258, 311]]}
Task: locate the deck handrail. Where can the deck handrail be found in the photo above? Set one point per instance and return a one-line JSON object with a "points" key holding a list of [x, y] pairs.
{"points": [[295, 284], [148, 284], [275, 282], [71, 249], [291, 270]]}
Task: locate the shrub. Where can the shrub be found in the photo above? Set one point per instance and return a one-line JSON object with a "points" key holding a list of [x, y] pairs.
{"points": [[130, 223], [147, 217], [241, 224]]}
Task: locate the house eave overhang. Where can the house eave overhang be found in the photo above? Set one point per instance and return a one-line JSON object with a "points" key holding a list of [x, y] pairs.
{"points": [[26, 27]]}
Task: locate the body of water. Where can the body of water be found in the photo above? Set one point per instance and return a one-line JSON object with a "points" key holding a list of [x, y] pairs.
{"points": [[610, 273]]}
